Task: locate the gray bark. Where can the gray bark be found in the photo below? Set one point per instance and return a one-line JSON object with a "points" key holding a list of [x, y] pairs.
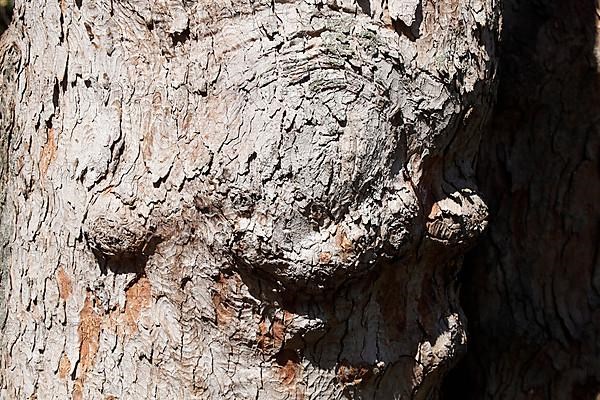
{"points": [[237, 199]]}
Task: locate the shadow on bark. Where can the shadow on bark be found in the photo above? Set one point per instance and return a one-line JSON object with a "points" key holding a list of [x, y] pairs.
{"points": [[6, 7], [531, 288], [129, 262]]}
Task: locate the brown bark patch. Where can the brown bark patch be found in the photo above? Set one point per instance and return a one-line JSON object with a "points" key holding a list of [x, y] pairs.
{"points": [[325, 258], [48, 153], [148, 143], [288, 364], [65, 285], [89, 342], [223, 290], [263, 335], [386, 19], [349, 374], [78, 390], [278, 333], [137, 297], [344, 243], [64, 366], [89, 333], [271, 335], [342, 240]]}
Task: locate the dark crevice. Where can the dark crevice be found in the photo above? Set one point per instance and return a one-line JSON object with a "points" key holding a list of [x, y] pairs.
{"points": [[180, 37], [65, 78], [412, 32], [6, 15], [286, 356], [61, 38], [74, 373], [89, 31], [133, 261], [365, 6], [183, 283], [55, 94]]}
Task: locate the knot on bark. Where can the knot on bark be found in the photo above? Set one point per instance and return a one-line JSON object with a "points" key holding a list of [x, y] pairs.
{"points": [[114, 236], [458, 219], [113, 230]]}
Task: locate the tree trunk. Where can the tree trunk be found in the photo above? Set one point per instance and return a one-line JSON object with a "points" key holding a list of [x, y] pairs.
{"points": [[532, 287], [238, 199], [5, 14]]}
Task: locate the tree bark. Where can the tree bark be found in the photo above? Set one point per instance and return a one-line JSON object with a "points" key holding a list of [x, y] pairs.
{"points": [[532, 287], [239, 200]]}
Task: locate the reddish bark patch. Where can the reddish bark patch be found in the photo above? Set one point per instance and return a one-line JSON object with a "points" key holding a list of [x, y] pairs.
{"points": [[78, 390], [225, 287], [344, 243], [64, 366], [137, 297], [349, 374], [147, 146], [288, 364], [271, 335], [65, 285], [325, 258], [342, 240], [89, 333], [263, 335], [278, 333], [89, 342], [48, 153]]}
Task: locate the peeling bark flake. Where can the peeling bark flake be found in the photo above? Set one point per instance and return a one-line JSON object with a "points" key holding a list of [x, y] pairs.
{"points": [[65, 287]]}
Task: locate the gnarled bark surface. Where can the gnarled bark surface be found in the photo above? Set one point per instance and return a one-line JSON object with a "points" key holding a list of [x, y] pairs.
{"points": [[532, 287], [235, 200]]}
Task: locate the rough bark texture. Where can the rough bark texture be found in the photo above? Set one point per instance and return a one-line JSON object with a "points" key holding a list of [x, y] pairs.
{"points": [[531, 289], [237, 199]]}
